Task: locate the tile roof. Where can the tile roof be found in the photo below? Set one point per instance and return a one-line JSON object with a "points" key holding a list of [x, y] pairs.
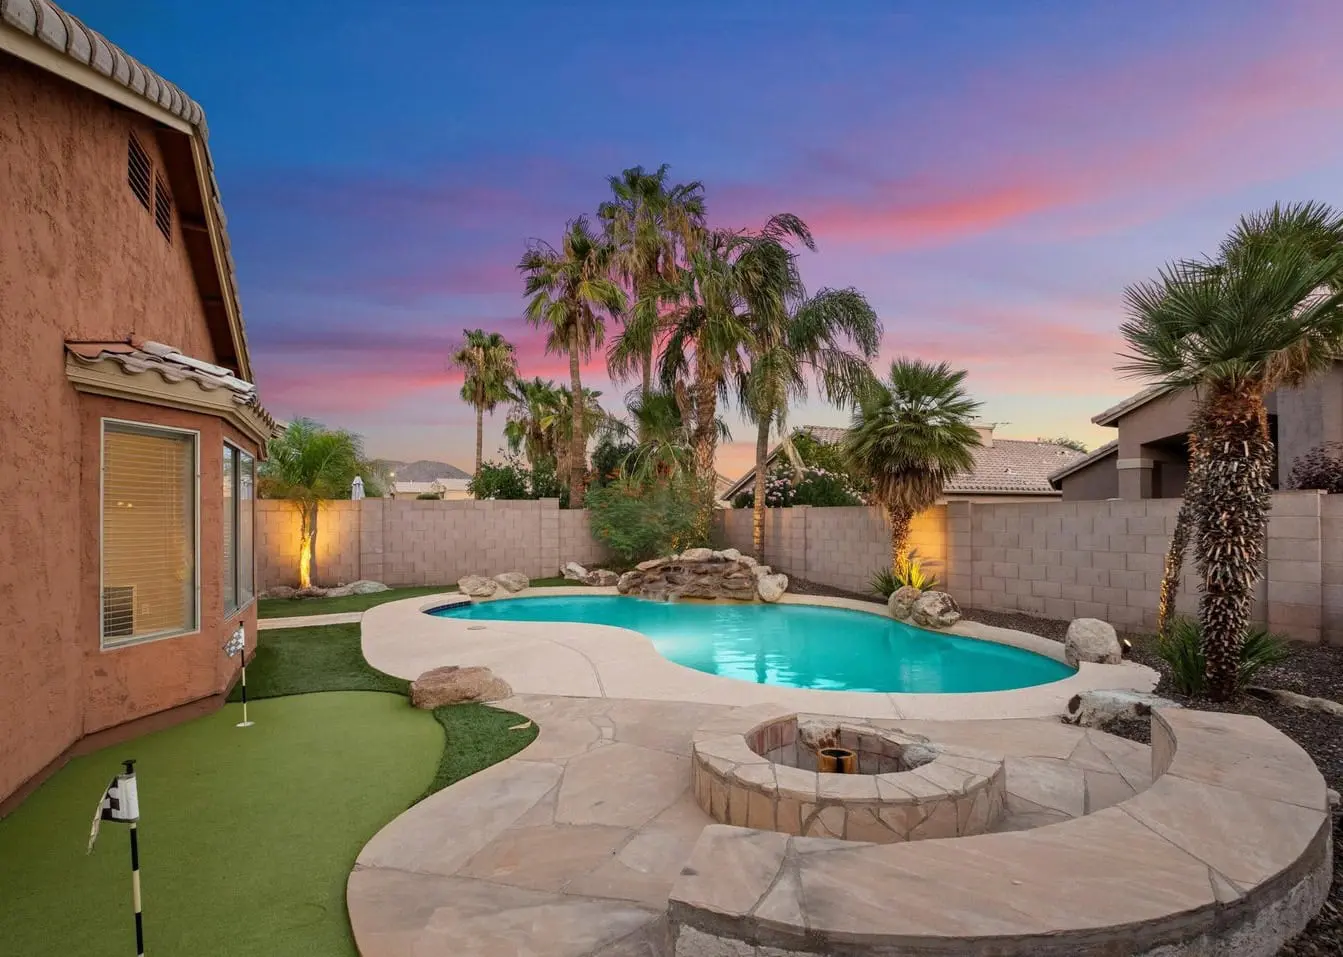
{"points": [[1095, 455], [139, 356], [1111, 415], [67, 35], [1007, 467]]}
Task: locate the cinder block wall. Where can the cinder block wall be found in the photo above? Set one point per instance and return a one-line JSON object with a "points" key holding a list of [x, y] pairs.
{"points": [[1067, 560], [416, 542]]}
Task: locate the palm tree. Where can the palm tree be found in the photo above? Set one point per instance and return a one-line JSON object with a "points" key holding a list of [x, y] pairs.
{"points": [[305, 464], [647, 223], [729, 276], [808, 338], [1313, 227], [530, 427], [662, 438], [570, 294], [489, 365], [909, 435], [590, 418], [1266, 316]]}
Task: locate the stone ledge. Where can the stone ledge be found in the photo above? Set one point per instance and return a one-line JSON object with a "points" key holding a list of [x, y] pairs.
{"points": [[1228, 854]]}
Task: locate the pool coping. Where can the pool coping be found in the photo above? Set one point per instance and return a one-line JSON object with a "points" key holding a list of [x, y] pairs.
{"points": [[571, 659]]}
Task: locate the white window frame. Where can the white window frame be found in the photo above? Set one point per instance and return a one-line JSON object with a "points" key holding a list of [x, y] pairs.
{"points": [[149, 428], [237, 503]]}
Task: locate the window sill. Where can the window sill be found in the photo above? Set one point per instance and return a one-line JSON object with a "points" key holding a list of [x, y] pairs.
{"points": [[121, 644], [231, 613]]}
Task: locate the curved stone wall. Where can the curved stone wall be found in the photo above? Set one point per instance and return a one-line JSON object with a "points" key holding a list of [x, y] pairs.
{"points": [[1228, 854]]}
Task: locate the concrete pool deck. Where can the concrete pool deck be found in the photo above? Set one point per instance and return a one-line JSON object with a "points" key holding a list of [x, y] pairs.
{"points": [[570, 659]]}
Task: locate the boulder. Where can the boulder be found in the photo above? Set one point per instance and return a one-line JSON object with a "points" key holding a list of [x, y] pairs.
{"points": [[901, 602], [629, 581], [574, 571], [340, 591], [651, 564], [601, 578], [696, 555], [1098, 709], [728, 554], [281, 591], [1090, 639], [512, 581], [935, 609], [771, 587], [759, 570], [454, 685], [477, 586], [366, 587], [747, 560]]}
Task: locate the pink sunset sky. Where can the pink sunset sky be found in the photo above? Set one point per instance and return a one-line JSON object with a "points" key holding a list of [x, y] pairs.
{"points": [[990, 175]]}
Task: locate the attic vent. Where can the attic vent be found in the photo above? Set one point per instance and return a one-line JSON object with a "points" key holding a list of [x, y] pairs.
{"points": [[138, 170], [163, 208]]}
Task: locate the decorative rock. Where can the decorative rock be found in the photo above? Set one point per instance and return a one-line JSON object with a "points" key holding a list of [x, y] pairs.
{"points": [[935, 609], [771, 587], [629, 581], [697, 555], [1294, 700], [1090, 639], [601, 578], [574, 571], [366, 587], [340, 591], [477, 586], [281, 591], [454, 685], [1098, 709], [512, 581], [758, 570], [901, 602], [728, 554], [649, 565]]}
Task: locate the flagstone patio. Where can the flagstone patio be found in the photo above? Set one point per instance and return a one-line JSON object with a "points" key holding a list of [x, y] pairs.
{"points": [[571, 848]]}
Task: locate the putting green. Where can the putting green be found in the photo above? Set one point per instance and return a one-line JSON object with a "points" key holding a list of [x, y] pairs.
{"points": [[247, 835]]}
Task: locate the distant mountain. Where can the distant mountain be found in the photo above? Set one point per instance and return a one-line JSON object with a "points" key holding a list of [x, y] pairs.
{"points": [[424, 470]]}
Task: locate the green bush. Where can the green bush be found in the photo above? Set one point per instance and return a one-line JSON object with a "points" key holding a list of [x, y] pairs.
{"points": [[507, 481], [430, 496], [1181, 648], [910, 570], [640, 521]]}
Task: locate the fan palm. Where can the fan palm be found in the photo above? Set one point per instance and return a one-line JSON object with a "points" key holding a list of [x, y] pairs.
{"points": [[489, 365], [530, 428], [647, 223], [810, 337], [305, 464], [1269, 313], [570, 293], [664, 447], [728, 277], [910, 434]]}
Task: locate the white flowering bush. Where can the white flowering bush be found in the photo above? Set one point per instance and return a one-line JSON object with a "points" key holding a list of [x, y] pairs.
{"points": [[816, 486]]}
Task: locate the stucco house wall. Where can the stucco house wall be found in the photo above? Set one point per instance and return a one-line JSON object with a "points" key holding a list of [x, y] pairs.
{"points": [[80, 258]]}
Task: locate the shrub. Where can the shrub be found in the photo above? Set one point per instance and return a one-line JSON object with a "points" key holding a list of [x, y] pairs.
{"points": [[910, 570], [495, 481], [641, 521], [816, 486], [1320, 468], [1181, 648], [430, 496]]}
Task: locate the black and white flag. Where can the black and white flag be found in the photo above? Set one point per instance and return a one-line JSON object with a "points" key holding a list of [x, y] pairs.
{"points": [[120, 802]]}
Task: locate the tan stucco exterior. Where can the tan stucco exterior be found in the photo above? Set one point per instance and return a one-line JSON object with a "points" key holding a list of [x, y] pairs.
{"points": [[81, 259]]}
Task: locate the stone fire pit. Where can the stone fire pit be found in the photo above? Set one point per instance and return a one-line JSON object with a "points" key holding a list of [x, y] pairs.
{"points": [[757, 768]]}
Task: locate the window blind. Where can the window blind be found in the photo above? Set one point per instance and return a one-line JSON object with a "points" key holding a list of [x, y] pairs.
{"points": [[239, 491], [148, 533], [230, 529]]}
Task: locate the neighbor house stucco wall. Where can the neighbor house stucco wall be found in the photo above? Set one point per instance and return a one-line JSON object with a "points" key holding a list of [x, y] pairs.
{"points": [[80, 258]]}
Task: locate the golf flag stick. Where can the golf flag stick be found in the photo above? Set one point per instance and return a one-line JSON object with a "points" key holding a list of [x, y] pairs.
{"points": [[237, 645], [121, 802]]}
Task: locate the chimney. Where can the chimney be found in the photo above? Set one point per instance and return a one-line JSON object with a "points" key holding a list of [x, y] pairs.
{"points": [[985, 430]]}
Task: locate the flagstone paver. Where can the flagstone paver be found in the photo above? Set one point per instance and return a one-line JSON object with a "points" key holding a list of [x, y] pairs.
{"points": [[571, 847]]}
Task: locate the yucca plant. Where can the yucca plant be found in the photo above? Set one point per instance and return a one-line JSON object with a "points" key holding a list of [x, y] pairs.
{"points": [[1181, 648], [910, 570]]}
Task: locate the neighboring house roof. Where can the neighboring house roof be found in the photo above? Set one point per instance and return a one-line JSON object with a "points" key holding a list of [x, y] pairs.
{"points": [[1006, 467], [44, 35], [1112, 415], [1109, 448], [437, 485], [424, 470], [116, 369]]}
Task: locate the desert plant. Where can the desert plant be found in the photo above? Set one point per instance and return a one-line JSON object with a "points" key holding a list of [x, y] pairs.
{"points": [[910, 570], [641, 520], [487, 362], [1321, 468], [1181, 648]]}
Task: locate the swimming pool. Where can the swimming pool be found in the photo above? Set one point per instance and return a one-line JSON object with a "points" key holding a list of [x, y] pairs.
{"points": [[793, 646]]}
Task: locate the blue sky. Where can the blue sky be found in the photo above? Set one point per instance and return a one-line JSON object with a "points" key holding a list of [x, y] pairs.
{"points": [[991, 175]]}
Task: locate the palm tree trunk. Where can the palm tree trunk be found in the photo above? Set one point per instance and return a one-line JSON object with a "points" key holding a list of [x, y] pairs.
{"points": [[307, 543], [1234, 501], [900, 520], [480, 437], [706, 441], [1179, 540], [758, 509], [577, 446]]}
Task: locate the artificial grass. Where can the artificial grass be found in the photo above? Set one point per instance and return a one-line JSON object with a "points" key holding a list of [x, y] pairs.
{"points": [[247, 836], [302, 607]]}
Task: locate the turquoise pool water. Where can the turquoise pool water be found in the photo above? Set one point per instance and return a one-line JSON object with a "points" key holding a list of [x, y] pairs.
{"points": [[794, 646]]}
